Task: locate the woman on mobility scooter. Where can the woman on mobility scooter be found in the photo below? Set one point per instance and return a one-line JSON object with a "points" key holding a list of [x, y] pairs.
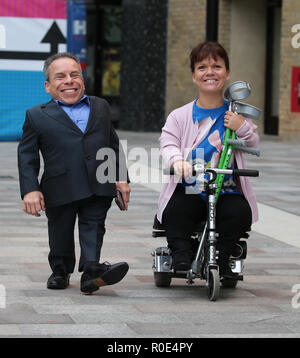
{"points": [[199, 127]]}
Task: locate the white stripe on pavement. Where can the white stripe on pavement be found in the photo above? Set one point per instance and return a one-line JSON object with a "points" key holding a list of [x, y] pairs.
{"points": [[278, 224], [275, 223]]}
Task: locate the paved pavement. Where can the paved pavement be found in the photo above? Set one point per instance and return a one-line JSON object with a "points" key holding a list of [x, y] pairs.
{"points": [[263, 305]]}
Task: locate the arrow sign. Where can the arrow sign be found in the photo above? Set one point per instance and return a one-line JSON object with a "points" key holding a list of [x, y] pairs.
{"points": [[53, 36]]}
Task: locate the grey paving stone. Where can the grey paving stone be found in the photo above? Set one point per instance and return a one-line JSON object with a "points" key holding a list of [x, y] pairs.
{"points": [[8, 330], [84, 330], [126, 318], [186, 329], [87, 308], [246, 335], [23, 318]]}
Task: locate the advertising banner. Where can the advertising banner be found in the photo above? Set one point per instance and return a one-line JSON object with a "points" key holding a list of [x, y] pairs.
{"points": [[76, 41], [33, 30]]}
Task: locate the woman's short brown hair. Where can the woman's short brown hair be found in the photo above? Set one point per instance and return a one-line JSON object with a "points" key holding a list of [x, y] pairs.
{"points": [[208, 49]]}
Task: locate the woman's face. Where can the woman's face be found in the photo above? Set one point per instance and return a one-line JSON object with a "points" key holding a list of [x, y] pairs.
{"points": [[210, 75]]}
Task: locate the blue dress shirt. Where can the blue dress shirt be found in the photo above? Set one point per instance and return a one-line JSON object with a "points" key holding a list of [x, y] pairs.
{"points": [[79, 112]]}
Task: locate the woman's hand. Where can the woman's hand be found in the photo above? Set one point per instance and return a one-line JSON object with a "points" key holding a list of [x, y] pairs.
{"points": [[183, 168], [233, 121]]}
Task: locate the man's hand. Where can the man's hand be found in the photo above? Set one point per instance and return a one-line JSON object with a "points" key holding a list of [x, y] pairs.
{"points": [[33, 202], [183, 168], [124, 188]]}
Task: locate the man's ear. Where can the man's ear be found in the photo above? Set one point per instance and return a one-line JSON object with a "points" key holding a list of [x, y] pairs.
{"points": [[47, 85]]}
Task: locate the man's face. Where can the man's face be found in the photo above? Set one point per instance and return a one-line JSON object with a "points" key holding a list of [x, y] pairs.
{"points": [[210, 75], [65, 80]]}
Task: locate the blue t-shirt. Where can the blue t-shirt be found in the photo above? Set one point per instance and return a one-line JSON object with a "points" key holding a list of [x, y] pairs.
{"points": [[210, 147]]}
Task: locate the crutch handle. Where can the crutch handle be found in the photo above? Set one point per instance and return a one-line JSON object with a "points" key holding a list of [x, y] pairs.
{"points": [[252, 151], [239, 142]]}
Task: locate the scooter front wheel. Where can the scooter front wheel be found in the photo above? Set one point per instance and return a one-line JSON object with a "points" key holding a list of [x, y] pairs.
{"points": [[213, 285]]}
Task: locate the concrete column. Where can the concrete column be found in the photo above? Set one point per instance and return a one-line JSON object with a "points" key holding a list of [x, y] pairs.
{"points": [[248, 48]]}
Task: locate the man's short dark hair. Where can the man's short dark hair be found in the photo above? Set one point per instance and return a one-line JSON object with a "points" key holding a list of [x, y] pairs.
{"points": [[54, 57]]}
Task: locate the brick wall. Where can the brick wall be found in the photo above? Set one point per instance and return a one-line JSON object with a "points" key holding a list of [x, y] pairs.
{"points": [[186, 28], [289, 123], [224, 24]]}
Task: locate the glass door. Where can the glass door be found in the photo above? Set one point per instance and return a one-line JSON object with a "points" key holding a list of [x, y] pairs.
{"points": [[104, 20]]}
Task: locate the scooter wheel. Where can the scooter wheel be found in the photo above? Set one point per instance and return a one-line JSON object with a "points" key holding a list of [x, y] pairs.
{"points": [[162, 279], [213, 285]]}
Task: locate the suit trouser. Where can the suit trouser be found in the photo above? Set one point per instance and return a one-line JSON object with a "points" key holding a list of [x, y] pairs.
{"points": [[91, 213]]}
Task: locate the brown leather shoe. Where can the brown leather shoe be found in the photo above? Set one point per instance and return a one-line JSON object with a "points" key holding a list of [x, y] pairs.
{"points": [[102, 275]]}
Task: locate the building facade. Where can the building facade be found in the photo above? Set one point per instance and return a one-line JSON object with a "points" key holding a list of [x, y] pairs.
{"points": [[135, 53], [262, 38], [263, 42]]}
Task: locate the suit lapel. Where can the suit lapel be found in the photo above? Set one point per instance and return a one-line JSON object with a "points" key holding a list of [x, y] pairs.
{"points": [[93, 112], [54, 111], [96, 112], [57, 113]]}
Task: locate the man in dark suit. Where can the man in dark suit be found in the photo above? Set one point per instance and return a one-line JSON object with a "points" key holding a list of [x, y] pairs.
{"points": [[69, 131]]}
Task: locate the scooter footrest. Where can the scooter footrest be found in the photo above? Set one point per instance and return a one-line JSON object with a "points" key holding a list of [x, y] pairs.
{"points": [[180, 274]]}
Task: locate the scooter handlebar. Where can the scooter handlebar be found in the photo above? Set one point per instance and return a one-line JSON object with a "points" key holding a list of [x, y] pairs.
{"points": [[170, 171], [237, 172], [245, 172]]}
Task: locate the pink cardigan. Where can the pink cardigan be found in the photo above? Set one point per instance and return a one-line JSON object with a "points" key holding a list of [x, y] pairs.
{"points": [[180, 133]]}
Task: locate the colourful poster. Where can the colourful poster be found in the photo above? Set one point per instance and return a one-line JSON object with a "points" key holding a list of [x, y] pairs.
{"points": [[76, 42], [111, 78], [33, 30]]}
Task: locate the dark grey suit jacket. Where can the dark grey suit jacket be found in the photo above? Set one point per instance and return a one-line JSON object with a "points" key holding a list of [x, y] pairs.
{"points": [[69, 155]]}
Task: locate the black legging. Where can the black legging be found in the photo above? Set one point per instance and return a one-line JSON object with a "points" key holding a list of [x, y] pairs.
{"points": [[184, 211]]}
